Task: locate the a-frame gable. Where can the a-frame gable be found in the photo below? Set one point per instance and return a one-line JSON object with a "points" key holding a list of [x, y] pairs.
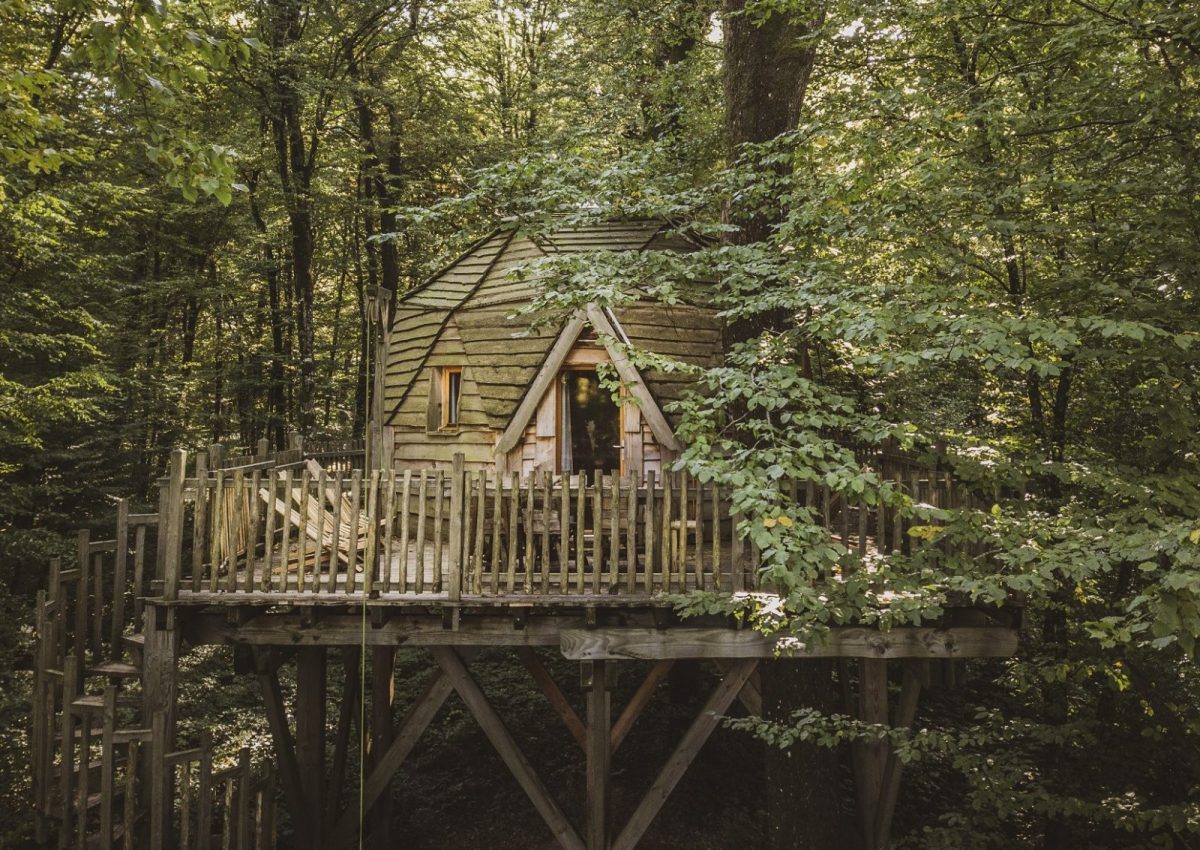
{"points": [[556, 358]]}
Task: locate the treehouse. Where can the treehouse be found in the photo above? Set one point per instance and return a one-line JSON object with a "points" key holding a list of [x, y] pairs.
{"points": [[465, 372], [507, 497]]}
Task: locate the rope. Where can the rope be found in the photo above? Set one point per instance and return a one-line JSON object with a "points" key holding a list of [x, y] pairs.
{"points": [[362, 648]]}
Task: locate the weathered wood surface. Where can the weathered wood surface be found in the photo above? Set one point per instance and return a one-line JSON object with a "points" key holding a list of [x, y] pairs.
{"points": [[905, 642], [463, 533]]}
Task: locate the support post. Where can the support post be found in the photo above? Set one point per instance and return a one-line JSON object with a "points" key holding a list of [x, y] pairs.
{"points": [[160, 661], [599, 751], [173, 547], [383, 700], [310, 737], [870, 757], [120, 563]]}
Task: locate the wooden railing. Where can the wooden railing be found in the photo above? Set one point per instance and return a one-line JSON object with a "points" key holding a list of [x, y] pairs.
{"points": [[455, 534], [93, 781]]}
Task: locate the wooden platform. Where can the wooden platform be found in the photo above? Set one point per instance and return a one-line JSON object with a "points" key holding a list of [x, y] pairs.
{"points": [[447, 562]]}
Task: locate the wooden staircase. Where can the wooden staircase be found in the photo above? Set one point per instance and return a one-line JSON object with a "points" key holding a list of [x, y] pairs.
{"points": [[94, 782]]}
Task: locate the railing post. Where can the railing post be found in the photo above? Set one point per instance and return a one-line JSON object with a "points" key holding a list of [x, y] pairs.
{"points": [[120, 562], [295, 441], [457, 482], [262, 449], [174, 524]]}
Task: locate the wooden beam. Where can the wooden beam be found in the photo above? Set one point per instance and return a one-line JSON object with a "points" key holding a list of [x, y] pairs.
{"points": [[346, 630], [599, 753], [633, 709], [160, 662], [285, 749], [558, 700], [415, 722], [506, 747], [632, 380], [906, 713], [700, 730], [310, 737], [870, 757], [905, 642], [750, 696], [383, 703], [173, 546], [542, 381]]}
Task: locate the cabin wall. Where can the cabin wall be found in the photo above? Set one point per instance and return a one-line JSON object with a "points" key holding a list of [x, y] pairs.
{"points": [[415, 445]]}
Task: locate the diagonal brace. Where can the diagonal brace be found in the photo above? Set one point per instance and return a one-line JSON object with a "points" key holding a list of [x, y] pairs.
{"points": [[507, 747], [700, 730]]}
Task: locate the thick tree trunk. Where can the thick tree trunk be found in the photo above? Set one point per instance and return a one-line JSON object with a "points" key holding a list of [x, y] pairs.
{"points": [[805, 809], [768, 63], [276, 403], [295, 161]]}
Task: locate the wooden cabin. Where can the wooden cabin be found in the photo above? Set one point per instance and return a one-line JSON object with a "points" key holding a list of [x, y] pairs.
{"points": [[464, 371]]}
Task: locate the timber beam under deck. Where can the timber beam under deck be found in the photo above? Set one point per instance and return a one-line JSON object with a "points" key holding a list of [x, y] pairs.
{"points": [[591, 634], [598, 637]]}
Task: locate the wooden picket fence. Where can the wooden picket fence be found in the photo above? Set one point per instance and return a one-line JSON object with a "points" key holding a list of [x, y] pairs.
{"points": [[296, 528]]}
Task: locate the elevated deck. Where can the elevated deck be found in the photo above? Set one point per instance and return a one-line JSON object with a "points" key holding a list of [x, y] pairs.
{"points": [[287, 556]]}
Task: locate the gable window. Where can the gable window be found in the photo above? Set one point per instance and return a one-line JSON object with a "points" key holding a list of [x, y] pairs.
{"points": [[445, 399], [451, 395]]}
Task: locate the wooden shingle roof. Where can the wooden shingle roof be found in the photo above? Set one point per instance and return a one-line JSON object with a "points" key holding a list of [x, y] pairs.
{"points": [[481, 292]]}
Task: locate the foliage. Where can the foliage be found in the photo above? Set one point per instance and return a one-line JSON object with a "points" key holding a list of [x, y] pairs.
{"points": [[985, 255]]}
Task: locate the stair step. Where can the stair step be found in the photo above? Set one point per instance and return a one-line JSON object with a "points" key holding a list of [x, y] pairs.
{"points": [[115, 669], [136, 641]]}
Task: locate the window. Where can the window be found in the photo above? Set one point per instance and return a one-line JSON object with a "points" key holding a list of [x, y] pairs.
{"points": [[451, 395], [589, 424]]}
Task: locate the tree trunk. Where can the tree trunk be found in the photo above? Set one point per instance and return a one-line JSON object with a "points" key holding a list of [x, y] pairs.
{"points": [[768, 64], [295, 160]]}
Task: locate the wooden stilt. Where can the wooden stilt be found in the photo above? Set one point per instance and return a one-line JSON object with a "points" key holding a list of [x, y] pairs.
{"points": [[870, 757], [599, 751], [383, 701], [160, 661], [310, 736], [703, 726]]}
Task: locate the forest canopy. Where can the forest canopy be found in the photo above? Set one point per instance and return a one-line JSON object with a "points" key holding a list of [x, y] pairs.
{"points": [[971, 229]]}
